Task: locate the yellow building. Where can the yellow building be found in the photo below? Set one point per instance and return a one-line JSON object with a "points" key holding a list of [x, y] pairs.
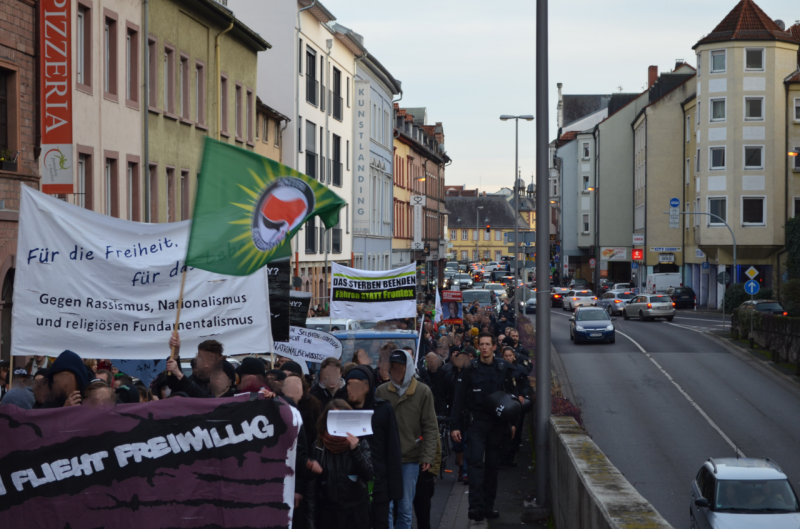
{"points": [[477, 225], [270, 125]]}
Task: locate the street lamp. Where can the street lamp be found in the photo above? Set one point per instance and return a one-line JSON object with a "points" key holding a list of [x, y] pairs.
{"points": [[506, 117], [477, 234]]}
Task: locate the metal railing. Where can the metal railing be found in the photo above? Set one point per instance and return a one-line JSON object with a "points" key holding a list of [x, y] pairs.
{"points": [[312, 91], [337, 107]]}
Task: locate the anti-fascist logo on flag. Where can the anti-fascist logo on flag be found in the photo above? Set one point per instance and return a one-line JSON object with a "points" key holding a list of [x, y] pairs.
{"points": [[248, 208], [282, 207]]}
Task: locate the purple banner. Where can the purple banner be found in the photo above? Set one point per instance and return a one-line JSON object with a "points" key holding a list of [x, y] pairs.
{"points": [[173, 463]]}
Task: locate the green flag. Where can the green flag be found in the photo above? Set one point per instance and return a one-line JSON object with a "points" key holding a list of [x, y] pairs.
{"points": [[249, 207]]}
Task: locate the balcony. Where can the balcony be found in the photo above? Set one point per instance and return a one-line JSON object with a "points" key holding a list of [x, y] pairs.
{"points": [[337, 173], [312, 91], [337, 107], [311, 164]]}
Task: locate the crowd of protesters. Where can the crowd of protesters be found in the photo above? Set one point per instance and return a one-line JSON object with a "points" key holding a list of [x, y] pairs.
{"points": [[376, 481]]}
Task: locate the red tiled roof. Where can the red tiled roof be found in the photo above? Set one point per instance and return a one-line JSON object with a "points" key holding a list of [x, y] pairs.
{"points": [[747, 21], [795, 31], [795, 78], [567, 137]]}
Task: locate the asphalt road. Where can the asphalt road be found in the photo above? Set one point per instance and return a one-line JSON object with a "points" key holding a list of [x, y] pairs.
{"points": [[659, 414]]}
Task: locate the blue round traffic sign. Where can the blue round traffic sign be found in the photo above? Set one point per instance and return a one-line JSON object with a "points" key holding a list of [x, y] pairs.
{"points": [[752, 287], [674, 203]]}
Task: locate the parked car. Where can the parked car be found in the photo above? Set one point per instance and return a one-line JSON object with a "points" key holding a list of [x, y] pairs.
{"points": [[557, 296], [769, 306], [742, 492], [577, 284], [613, 302], [579, 298], [591, 324], [337, 324], [683, 297], [650, 307], [530, 305], [660, 283]]}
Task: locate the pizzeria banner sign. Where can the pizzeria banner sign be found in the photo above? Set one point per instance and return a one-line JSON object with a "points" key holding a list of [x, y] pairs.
{"points": [[374, 294], [171, 463], [108, 288]]}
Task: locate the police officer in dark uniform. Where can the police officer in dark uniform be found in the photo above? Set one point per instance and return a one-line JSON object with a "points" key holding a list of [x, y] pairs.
{"points": [[472, 412]]}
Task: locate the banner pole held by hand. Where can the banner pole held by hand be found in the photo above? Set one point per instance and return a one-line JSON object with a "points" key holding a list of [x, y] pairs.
{"points": [[178, 315]]}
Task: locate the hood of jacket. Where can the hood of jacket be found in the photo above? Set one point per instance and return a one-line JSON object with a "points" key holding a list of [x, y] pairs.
{"points": [[410, 371]]}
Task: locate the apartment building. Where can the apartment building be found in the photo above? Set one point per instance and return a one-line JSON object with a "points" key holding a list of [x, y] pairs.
{"points": [[477, 226], [270, 125]]}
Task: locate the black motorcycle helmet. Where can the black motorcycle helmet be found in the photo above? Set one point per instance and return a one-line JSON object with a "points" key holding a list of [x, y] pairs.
{"points": [[503, 406]]}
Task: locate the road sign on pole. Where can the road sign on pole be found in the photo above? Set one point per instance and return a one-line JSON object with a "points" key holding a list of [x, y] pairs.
{"points": [[751, 272], [592, 262], [752, 287], [723, 277]]}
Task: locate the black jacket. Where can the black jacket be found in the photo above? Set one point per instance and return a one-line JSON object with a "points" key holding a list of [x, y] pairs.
{"points": [[477, 383], [335, 485], [438, 386]]}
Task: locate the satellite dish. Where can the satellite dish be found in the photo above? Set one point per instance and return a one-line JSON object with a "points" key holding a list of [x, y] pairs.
{"points": [[781, 24]]}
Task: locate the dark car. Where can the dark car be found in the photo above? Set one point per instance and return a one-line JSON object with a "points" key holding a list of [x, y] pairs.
{"points": [[591, 324], [557, 296], [683, 297], [769, 306]]}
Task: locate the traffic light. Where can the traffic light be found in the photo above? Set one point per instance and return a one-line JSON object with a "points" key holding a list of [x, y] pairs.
{"points": [[488, 228]]}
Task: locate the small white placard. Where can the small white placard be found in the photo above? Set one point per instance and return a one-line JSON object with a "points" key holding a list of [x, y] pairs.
{"points": [[355, 422]]}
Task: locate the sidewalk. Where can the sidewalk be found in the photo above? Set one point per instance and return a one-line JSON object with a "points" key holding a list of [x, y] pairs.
{"points": [[514, 485]]}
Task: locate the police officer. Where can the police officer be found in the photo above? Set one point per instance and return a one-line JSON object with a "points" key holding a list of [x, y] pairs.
{"points": [[521, 371], [471, 411]]}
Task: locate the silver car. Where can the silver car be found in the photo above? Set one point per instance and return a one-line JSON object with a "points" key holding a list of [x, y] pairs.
{"points": [[733, 493], [579, 298], [649, 307]]}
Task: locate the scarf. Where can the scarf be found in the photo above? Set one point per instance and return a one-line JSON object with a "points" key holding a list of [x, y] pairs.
{"points": [[335, 445]]}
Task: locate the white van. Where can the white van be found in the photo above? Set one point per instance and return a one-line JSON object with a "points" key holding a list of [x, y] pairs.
{"points": [[659, 283]]}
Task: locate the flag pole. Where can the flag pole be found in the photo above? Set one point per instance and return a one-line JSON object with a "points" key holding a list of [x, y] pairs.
{"points": [[178, 315]]}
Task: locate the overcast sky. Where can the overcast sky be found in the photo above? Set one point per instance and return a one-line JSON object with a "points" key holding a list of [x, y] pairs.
{"points": [[469, 61]]}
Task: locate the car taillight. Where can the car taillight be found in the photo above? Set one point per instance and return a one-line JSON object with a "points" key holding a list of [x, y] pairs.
{"points": [[556, 296], [785, 313], [673, 304], [574, 299], [594, 298], [649, 306], [617, 301]]}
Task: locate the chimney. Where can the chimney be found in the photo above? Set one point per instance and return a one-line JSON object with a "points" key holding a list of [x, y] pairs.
{"points": [[652, 76]]}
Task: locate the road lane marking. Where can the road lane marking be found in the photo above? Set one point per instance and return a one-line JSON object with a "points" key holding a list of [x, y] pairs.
{"points": [[691, 401], [697, 319]]}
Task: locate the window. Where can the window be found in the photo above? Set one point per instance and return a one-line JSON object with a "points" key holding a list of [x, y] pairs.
{"points": [[586, 224], [718, 62], [336, 154], [688, 128], [110, 55], [797, 109], [311, 235], [453, 235], [718, 208], [586, 151], [796, 160], [171, 208], [687, 210], [699, 63], [311, 145], [474, 235], [299, 134], [183, 87], [169, 80], [278, 133], [754, 59], [347, 155], [487, 235], [84, 194], [312, 86], [717, 158], [249, 112], [237, 116], [152, 52], [697, 162], [697, 116], [111, 188], [697, 210], [83, 52], [184, 194], [753, 211], [754, 157], [796, 206], [300, 56], [464, 255], [688, 170], [498, 255], [717, 107], [486, 254], [498, 235], [200, 93], [586, 183], [464, 235], [133, 191], [224, 104], [132, 66], [754, 109]]}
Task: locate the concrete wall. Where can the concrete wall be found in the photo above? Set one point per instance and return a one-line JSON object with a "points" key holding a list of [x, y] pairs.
{"points": [[587, 490]]}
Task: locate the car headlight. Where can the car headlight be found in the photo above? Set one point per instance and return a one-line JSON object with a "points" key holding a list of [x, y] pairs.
{"points": [[579, 328], [610, 328]]}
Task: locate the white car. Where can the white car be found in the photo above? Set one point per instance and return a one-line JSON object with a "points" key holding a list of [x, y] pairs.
{"points": [[337, 324], [579, 298], [492, 266]]}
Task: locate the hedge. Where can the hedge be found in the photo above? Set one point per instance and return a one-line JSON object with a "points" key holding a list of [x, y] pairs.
{"points": [[778, 334]]}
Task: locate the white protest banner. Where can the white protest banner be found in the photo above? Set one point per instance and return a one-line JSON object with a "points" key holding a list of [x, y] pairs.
{"points": [[108, 288], [309, 345], [371, 294]]}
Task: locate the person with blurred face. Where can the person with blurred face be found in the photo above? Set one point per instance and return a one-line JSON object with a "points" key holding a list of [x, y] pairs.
{"points": [[361, 358], [209, 358], [330, 381]]}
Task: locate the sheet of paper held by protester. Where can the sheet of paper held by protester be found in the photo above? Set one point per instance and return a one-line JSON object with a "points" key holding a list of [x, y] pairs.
{"points": [[355, 422], [108, 288], [309, 345], [173, 463]]}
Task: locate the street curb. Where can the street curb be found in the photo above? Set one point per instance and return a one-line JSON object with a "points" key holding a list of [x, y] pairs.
{"points": [[787, 381], [561, 375]]}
